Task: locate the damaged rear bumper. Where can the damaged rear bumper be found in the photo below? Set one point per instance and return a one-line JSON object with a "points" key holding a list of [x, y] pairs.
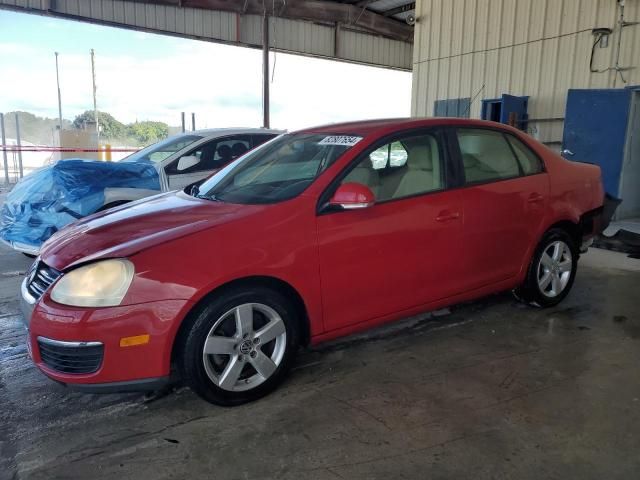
{"points": [[594, 222]]}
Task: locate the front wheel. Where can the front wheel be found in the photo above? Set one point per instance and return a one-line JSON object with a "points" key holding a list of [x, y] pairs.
{"points": [[240, 346], [552, 270]]}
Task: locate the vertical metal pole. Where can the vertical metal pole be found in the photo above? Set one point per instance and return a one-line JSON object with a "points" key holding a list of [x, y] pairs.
{"points": [[265, 70], [95, 105], [183, 125], [4, 150], [19, 146], [59, 96], [193, 121]]}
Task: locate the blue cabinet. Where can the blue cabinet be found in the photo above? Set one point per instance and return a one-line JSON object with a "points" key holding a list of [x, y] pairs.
{"points": [[602, 126], [507, 109]]}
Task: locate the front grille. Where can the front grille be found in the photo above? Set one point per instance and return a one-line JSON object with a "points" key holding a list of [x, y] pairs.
{"points": [[42, 276], [71, 357]]}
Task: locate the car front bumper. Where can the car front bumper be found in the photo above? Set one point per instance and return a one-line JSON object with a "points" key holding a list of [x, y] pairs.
{"points": [[58, 336]]}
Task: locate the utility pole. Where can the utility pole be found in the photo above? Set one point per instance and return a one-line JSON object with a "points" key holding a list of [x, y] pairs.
{"points": [[184, 127], [19, 144], [59, 96], [265, 70], [95, 107], [193, 121]]}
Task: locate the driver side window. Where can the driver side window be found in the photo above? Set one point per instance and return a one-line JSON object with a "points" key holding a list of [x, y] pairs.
{"points": [[405, 167], [214, 155]]}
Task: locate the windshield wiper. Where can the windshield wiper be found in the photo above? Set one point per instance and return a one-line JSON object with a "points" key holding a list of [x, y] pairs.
{"points": [[211, 198]]}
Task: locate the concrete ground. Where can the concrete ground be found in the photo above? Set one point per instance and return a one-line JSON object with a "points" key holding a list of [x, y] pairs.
{"points": [[493, 389]]}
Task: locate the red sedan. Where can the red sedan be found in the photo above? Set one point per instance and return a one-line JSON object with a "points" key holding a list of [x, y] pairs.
{"points": [[314, 235]]}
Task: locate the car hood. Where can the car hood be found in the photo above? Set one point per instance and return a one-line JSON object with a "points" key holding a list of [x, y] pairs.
{"points": [[134, 227]]}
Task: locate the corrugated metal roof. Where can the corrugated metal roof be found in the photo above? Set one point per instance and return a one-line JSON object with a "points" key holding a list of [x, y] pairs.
{"points": [[396, 9], [334, 31]]}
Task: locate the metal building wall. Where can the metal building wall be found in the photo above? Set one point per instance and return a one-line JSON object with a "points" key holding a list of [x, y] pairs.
{"points": [[539, 48], [295, 36]]}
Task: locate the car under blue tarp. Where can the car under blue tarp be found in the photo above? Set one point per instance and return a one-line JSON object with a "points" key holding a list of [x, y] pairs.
{"points": [[50, 198]]}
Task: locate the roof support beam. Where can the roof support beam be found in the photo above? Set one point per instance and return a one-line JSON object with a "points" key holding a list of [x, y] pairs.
{"points": [[344, 40], [311, 10], [399, 9]]}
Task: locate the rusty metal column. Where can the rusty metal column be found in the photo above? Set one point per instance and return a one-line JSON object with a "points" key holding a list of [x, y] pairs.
{"points": [[4, 150], [265, 70]]}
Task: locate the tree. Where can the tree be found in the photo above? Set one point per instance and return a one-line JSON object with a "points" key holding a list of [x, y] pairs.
{"points": [[148, 132], [109, 126], [38, 130]]}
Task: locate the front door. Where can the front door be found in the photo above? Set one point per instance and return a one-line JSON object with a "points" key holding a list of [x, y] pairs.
{"points": [[400, 253]]}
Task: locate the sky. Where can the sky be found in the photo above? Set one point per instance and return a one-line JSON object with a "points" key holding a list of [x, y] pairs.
{"points": [[142, 76]]}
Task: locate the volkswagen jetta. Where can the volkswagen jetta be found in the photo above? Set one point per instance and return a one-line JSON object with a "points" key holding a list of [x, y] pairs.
{"points": [[314, 235]]}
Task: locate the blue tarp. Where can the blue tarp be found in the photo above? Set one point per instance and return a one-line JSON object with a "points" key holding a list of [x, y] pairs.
{"points": [[52, 197]]}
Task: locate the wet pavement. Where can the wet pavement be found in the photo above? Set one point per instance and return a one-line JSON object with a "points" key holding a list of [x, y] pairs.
{"points": [[492, 389]]}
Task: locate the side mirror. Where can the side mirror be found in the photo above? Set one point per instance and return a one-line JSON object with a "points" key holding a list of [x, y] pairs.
{"points": [[352, 195], [187, 161]]}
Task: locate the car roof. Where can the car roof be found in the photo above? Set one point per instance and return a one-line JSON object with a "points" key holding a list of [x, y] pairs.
{"points": [[216, 132], [368, 127]]}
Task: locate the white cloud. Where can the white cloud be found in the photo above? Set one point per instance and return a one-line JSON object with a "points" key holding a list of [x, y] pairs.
{"points": [[221, 84]]}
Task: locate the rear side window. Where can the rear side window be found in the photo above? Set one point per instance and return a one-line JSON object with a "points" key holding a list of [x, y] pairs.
{"points": [[529, 161], [486, 156]]}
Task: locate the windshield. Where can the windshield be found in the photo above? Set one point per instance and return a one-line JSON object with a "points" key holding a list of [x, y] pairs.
{"points": [[161, 150], [278, 170]]}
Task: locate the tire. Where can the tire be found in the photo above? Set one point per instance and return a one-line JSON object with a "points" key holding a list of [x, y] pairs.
{"points": [[552, 270], [241, 363]]}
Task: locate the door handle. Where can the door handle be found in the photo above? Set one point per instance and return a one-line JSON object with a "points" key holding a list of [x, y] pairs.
{"points": [[447, 216], [566, 152], [535, 198]]}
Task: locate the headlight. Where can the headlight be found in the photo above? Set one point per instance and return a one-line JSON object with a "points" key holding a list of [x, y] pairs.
{"points": [[100, 284]]}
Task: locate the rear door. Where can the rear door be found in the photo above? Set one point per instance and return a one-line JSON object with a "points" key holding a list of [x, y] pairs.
{"points": [[403, 251], [504, 198]]}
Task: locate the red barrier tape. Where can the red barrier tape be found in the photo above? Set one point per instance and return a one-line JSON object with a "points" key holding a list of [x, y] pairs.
{"points": [[42, 148]]}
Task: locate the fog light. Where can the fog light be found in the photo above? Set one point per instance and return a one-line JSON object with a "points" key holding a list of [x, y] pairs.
{"points": [[133, 341]]}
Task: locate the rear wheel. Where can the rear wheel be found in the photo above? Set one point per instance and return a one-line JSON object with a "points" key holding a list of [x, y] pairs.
{"points": [[552, 270], [240, 346]]}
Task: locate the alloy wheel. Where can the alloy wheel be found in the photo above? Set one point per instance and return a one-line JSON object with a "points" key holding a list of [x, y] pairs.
{"points": [[244, 347], [554, 269]]}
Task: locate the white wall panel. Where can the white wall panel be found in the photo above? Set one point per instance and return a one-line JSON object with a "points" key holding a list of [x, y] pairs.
{"points": [[539, 48]]}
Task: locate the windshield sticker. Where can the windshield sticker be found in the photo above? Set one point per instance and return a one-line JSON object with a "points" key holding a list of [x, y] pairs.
{"points": [[346, 140]]}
